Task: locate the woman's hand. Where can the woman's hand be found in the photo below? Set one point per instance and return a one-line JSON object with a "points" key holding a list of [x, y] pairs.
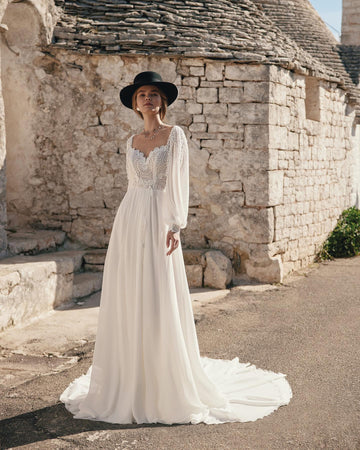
{"points": [[172, 240]]}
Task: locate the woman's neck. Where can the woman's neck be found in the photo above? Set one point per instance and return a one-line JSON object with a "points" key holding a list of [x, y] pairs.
{"points": [[152, 123]]}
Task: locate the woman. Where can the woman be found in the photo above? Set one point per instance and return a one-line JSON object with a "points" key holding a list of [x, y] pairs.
{"points": [[147, 366]]}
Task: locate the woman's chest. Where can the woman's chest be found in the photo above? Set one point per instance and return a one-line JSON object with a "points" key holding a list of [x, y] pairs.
{"points": [[151, 169]]}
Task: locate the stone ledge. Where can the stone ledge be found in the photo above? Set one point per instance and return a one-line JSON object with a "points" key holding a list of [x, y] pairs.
{"points": [[33, 285]]}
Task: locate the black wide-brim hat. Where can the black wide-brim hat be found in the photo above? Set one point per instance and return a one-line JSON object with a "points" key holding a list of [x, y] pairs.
{"points": [[143, 79]]}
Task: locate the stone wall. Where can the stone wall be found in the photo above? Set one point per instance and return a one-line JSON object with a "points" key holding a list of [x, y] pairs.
{"points": [[355, 200], [316, 159], [267, 184], [350, 26], [24, 27]]}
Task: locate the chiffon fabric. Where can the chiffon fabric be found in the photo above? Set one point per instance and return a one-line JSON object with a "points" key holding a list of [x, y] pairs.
{"points": [[147, 366]]}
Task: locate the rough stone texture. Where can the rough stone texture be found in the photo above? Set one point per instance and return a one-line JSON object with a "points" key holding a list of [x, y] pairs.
{"points": [[350, 26], [85, 284], [194, 274], [301, 22], [246, 158], [219, 28], [96, 256], [33, 242], [33, 285], [267, 270], [267, 181], [218, 271], [316, 164]]}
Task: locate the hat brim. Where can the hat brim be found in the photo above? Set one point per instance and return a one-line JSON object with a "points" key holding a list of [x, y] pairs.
{"points": [[169, 89]]}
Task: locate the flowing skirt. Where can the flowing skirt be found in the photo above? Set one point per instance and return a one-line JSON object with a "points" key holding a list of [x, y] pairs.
{"points": [[147, 366]]}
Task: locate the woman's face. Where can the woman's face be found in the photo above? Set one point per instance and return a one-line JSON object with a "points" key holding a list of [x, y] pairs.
{"points": [[148, 99]]}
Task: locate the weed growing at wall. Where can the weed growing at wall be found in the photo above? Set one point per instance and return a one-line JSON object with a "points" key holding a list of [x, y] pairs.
{"points": [[344, 240]]}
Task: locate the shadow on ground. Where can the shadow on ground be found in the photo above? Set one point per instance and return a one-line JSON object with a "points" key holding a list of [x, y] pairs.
{"points": [[52, 422]]}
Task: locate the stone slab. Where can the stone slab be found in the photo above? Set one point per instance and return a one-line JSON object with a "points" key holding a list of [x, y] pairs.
{"points": [[33, 285]]}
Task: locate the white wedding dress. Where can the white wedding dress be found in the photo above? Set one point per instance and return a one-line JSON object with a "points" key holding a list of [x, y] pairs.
{"points": [[146, 365]]}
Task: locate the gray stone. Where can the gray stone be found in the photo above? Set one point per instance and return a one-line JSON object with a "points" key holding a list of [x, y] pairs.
{"points": [[85, 284], [218, 272], [194, 274], [207, 95]]}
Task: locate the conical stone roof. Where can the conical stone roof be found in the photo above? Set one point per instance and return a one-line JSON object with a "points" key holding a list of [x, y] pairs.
{"points": [[299, 21], [220, 29]]}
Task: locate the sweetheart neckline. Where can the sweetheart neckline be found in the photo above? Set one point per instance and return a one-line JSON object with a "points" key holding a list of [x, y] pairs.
{"points": [[147, 157], [155, 148]]}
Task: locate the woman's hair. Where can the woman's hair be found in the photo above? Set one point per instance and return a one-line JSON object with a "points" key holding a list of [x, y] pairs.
{"points": [[163, 106]]}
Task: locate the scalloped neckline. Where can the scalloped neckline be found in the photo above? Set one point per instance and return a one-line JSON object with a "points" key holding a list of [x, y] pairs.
{"points": [[155, 148]]}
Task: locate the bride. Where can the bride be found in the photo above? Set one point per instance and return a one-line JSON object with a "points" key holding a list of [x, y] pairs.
{"points": [[147, 366]]}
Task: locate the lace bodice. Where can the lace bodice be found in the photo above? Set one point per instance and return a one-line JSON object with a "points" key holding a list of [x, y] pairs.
{"points": [[166, 168]]}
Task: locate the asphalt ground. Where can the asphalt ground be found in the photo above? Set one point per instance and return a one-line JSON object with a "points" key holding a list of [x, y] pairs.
{"points": [[307, 328]]}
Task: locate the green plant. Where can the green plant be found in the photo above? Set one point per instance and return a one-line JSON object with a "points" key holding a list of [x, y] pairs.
{"points": [[344, 240]]}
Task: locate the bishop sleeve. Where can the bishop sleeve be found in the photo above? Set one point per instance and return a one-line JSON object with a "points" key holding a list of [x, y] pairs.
{"points": [[177, 187]]}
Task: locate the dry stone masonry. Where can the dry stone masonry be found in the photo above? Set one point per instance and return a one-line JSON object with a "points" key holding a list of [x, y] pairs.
{"points": [[271, 124]]}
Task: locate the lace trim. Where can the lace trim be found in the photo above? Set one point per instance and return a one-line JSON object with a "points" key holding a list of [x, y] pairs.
{"points": [[149, 171]]}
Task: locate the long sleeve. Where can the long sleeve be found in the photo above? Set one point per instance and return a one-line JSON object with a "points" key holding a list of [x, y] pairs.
{"points": [[177, 187]]}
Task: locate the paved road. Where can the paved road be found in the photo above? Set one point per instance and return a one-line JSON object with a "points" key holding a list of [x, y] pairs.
{"points": [[308, 328]]}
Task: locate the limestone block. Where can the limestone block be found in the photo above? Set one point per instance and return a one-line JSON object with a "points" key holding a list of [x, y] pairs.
{"points": [[194, 275], [193, 107], [192, 62], [198, 160], [231, 200], [293, 140], [218, 272], [256, 92], [257, 137], [179, 116], [85, 284], [278, 137], [94, 267], [207, 95], [226, 127], [198, 118], [246, 72], [104, 183], [227, 163], [215, 84], [236, 142], [95, 256], [215, 110], [279, 115], [32, 285], [113, 198], [198, 127], [197, 71], [214, 71], [211, 143], [194, 256], [250, 113], [256, 188], [254, 160], [35, 241], [231, 95], [276, 187], [87, 231], [89, 198], [267, 270], [252, 225], [110, 68], [186, 93], [280, 75], [278, 93], [233, 186], [190, 81], [228, 83]]}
